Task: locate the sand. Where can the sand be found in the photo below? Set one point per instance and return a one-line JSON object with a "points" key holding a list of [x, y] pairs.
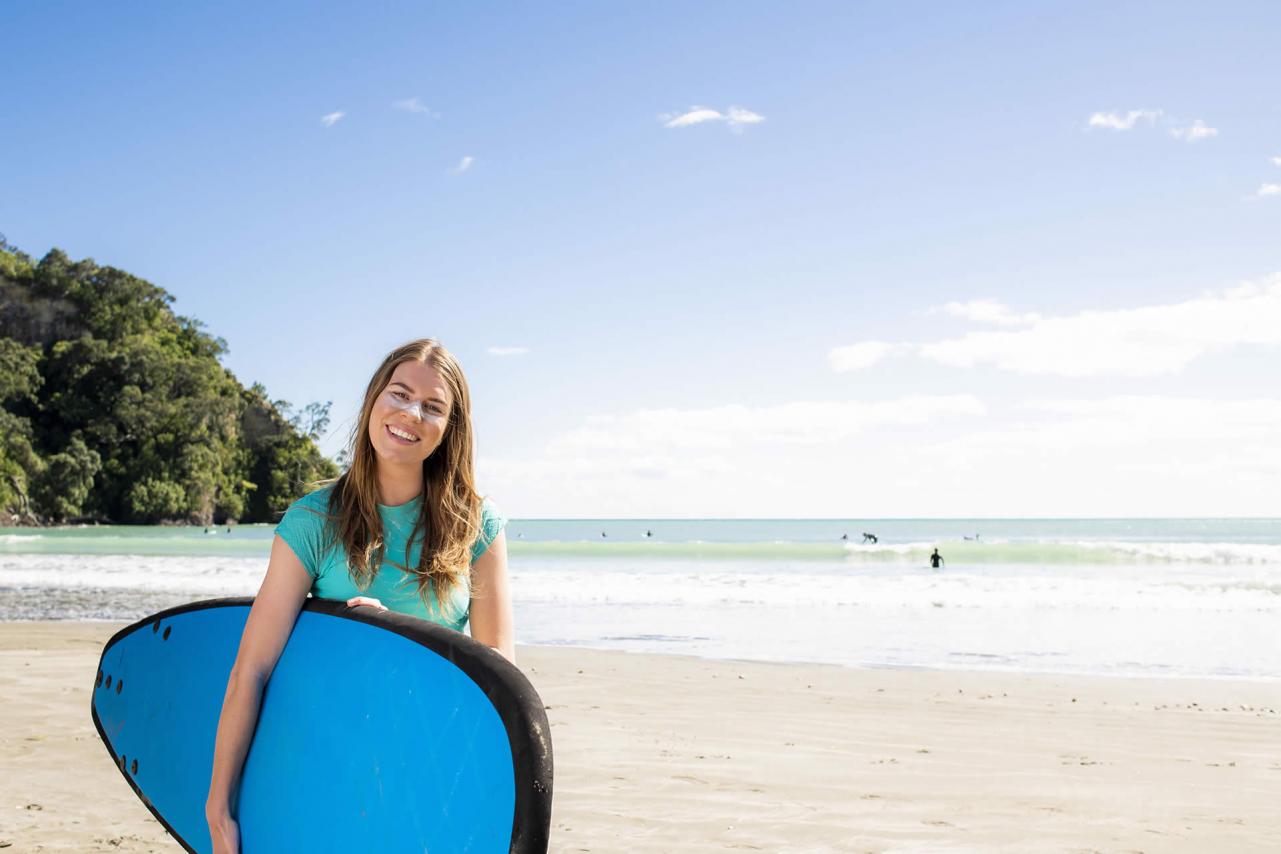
{"points": [[669, 754]]}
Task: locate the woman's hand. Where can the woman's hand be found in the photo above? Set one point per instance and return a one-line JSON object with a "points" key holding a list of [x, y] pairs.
{"points": [[224, 831], [365, 600]]}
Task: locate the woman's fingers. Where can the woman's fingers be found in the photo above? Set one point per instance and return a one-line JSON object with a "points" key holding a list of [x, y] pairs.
{"points": [[365, 600]]}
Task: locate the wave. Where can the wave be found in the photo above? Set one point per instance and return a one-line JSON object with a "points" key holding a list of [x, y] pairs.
{"points": [[963, 553], [958, 554]]}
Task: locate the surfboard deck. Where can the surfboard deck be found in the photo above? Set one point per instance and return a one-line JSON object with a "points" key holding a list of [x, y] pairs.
{"points": [[377, 732]]}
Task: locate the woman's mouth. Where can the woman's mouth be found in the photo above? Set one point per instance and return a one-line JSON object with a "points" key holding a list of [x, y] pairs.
{"points": [[403, 437]]}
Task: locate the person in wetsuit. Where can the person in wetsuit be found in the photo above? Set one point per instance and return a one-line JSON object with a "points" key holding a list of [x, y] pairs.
{"points": [[936, 559]]}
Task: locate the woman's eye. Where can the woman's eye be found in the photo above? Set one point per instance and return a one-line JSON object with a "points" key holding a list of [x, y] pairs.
{"points": [[400, 395]]}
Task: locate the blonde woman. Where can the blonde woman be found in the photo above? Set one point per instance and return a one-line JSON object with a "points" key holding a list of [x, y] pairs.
{"points": [[402, 529]]}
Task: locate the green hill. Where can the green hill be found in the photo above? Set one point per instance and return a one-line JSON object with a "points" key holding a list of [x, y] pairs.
{"points": [[115, 409]]}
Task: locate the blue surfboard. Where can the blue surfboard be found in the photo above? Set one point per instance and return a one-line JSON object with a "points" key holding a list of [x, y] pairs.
{"points": [[377, 732]]}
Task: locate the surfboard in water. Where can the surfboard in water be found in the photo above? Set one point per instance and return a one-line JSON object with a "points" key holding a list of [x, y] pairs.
{"points": [[377, 732]]}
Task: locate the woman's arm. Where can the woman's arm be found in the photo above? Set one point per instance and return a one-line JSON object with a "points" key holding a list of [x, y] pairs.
{"points": [[491, 602], [271, 619]]}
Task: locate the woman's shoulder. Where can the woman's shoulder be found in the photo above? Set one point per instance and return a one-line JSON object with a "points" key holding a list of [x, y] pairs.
{"points": [[492, 522], [317, 499], [310, 510]]}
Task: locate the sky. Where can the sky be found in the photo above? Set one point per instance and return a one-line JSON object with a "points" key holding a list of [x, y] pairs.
{"points": [[740, 260]]}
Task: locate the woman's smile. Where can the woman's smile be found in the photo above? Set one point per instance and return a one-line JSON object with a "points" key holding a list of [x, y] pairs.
{"points": [[401, 435]]}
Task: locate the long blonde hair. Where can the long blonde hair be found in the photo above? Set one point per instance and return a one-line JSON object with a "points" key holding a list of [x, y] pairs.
{"points": [[449, 520]]}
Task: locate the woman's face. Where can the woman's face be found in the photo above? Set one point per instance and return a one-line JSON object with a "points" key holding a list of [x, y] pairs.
{"points": [[410, 415]]}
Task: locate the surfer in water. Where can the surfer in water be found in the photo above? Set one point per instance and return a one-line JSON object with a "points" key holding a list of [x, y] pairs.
{"points": [[936, 559], [402, 529]]}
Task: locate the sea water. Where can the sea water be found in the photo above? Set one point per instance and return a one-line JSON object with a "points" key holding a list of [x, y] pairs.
{"points": [[1174, 597]]}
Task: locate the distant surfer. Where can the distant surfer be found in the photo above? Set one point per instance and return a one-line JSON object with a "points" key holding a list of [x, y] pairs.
{"points": [[869, 538], [357, 538], [649, 533], [936, 559]]}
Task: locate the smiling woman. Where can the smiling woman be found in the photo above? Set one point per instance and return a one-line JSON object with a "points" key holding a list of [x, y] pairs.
{"points": [[402, 529]]}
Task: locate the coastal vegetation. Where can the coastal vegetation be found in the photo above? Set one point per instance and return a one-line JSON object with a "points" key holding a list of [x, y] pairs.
{"points": [[115, 409]]}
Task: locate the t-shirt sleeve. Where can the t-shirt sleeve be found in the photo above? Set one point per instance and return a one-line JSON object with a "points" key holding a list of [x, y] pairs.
{"points": [[303, 530], [492, 522]]}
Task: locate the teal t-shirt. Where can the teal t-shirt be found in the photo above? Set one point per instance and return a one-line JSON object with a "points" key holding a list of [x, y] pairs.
{"points": [[303, 530]]}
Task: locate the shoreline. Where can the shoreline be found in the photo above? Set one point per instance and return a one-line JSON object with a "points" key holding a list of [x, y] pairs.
{"points": [[865, 667], [664, 753]]}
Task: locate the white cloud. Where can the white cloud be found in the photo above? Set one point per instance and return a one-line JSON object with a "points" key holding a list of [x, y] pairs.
{"points": [[1276, 161], [1123, 121], [717, 460], [331, 119], [1268, 190], [413, 105], [858, 357], [736, 117], [989, 311], [463, 165], [1117, 456], [508, 351], [1112, 456], [726, 430], [693, 116], [1133, 342], [1194, 132]]}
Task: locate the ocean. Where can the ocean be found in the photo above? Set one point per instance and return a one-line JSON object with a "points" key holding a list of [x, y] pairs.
{"points": [[1125, 597]]}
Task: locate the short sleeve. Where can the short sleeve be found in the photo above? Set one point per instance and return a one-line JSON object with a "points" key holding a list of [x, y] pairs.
{"points": [[303, 530], [492, 522]]}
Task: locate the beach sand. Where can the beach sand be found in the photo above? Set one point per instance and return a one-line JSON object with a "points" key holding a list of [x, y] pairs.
{"points": [[670, 754]]}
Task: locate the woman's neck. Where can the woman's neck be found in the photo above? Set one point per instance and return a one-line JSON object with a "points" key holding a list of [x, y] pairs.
{"points": [[399, 486]]}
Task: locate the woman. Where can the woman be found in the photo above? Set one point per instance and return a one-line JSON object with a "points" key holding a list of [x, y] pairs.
{"points": [[361, 539]]}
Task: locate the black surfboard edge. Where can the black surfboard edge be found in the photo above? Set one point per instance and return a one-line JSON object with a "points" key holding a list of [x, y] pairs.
{"points": [[508, 689]]}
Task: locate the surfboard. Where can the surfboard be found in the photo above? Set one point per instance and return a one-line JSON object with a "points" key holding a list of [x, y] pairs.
{"points": [[378, 731]]}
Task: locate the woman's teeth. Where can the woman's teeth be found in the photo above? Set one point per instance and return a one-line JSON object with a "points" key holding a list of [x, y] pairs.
{"points": [[400, 434]]}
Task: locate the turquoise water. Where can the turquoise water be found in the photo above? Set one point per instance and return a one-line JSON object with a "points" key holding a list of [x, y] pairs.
{"points": [[1169, 597], [973, 540]]}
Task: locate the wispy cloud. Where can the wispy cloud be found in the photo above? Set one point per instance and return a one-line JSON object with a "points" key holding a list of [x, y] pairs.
{"points": [[508, 351], [735, 117], [463, 165], [1266, 190], [989, 311], [692, 116], [1129, 120], [721, 459], [413, 105], [1276, 161], [858, 357], [718, 428], [331, 119], [1136, 342], [1194, 132], [1113, 455], [1123, 121]]}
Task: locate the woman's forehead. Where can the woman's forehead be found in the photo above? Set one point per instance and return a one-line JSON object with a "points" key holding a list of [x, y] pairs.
{"points": [[422, 380]]}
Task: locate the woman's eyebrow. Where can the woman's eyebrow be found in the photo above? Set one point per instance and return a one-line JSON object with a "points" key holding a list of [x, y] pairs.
{"points": [[411, 391]]}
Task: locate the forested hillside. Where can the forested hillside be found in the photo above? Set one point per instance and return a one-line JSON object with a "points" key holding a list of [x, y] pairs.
{"points": [[115, 409]]}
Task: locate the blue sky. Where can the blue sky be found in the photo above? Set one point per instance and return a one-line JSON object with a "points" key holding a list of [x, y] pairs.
{"points": [[1078, 203]]}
